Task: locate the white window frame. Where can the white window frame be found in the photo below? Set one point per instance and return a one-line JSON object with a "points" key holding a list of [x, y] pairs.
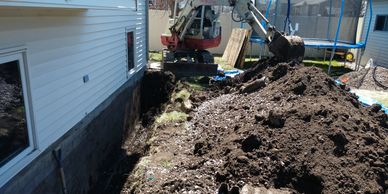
{"points": [[130, 72], [15, 164]]}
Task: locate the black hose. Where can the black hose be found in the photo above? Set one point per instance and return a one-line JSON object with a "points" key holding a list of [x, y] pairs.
{"points": [[377, 81], [362, 79]]}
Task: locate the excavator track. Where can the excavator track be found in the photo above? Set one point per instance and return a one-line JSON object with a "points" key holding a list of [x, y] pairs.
{"points": [[189, 63]]}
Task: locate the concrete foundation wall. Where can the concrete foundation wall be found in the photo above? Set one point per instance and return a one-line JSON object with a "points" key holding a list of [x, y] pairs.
{"points": [[87, 149]]}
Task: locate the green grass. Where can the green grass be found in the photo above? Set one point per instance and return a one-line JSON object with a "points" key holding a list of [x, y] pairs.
{"points": [[183, 95], [195, 84], [248, 62], [334, 63], [174, 116], [337, 68], [155, 56], [166, 164]]}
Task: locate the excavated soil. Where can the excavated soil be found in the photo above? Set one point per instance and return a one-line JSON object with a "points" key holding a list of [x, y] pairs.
{"points": [[278, 125]]}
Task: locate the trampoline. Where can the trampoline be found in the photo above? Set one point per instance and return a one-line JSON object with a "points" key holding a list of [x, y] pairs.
{"points": [[305, 18]]}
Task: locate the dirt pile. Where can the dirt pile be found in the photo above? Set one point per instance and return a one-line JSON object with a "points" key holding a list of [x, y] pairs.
{"points": [[278, 126], [300, 131]]}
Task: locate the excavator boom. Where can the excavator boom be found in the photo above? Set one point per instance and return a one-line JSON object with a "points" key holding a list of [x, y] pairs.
{"points": [[187, 37]]}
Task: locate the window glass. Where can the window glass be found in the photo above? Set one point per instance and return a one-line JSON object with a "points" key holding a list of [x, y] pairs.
{"points": [[13, 127], [131, 46], [381, 23]]}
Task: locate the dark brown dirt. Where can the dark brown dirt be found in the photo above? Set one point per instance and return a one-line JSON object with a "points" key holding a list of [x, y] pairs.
{"points": [[157, 87], [300, 132]]}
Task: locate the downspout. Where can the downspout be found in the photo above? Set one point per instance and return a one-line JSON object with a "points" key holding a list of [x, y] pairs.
{"points": [[362, 51], [58, 159]]}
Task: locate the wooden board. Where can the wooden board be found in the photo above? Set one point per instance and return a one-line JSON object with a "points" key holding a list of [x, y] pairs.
{"points": [[236, 46], [241, 58]]}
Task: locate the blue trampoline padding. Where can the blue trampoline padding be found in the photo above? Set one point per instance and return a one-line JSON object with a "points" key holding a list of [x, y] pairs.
{"points": [[258, 40], [320, 43]]}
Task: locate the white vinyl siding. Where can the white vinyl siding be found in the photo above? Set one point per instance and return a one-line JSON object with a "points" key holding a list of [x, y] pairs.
{"points": [[63, 46], [71, 3], [376, 47]]}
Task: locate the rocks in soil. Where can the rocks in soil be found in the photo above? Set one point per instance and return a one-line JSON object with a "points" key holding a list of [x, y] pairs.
{"points": [[276, 119], [253, 86], [248, 189]]}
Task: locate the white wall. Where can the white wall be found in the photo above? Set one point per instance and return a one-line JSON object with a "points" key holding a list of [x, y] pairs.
{"points": [[377, 47], [71, 3], [63, 45]]}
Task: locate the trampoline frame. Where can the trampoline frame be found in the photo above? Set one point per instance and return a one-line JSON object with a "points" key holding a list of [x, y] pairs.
{"points": [[328, 43]]}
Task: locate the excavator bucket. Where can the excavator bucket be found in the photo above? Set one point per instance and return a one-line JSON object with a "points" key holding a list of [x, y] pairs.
{"points": [[287, 48]]}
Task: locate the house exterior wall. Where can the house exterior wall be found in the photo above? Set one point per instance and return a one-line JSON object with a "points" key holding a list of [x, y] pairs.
{"points": [[87, 150], [63, 43], [71, 4], [376, 47]]}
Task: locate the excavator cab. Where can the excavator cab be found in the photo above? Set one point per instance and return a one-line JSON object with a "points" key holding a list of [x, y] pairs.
{"points": [[189, 56]]}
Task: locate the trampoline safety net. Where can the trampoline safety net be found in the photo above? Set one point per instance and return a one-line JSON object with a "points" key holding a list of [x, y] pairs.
{"points": [[316, 19]]}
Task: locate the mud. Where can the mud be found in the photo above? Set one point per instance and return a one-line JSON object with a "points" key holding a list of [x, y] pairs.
{"points": [[300, 132]]}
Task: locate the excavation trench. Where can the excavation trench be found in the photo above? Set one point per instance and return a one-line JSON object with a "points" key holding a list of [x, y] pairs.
{"points": [[277, 126]]}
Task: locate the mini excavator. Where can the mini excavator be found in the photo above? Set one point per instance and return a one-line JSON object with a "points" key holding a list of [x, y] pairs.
{"points": [[196, 28]]}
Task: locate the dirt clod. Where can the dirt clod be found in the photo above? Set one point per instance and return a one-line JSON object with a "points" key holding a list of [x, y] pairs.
{"points": [[299, 88], [375, 108], [250, 143], [275, 119], [253, 86]]}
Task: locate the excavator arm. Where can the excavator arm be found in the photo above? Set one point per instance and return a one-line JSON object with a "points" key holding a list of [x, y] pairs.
{"points": [[282, 46]]}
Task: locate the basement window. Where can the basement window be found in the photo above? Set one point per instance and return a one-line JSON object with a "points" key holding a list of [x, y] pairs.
{"points": [[15, 129], [130, 50], [381, 23]]}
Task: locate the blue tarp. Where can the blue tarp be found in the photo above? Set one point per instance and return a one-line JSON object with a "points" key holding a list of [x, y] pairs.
{"points": [[366, 100], [227, 73]]}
